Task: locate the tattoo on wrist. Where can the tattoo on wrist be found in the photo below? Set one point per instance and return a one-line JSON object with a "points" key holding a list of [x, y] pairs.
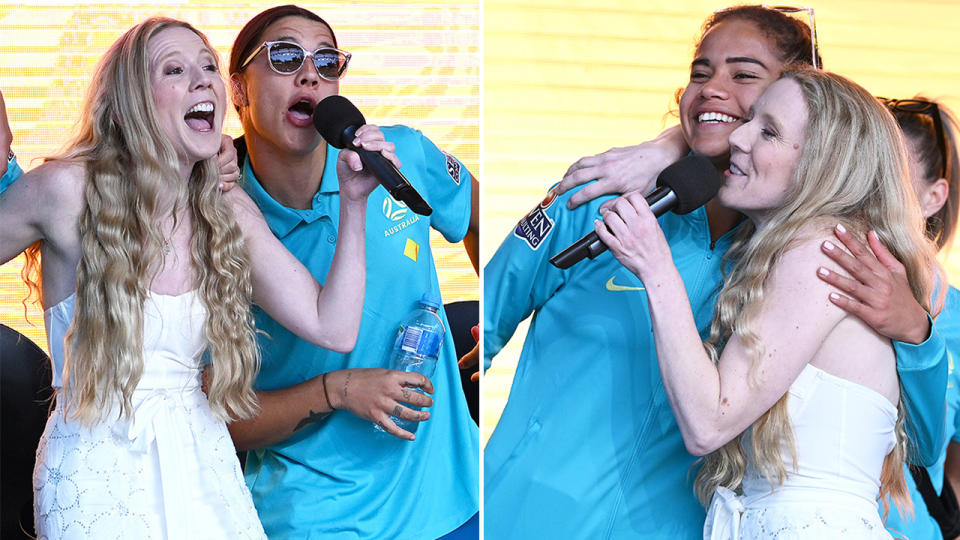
{"points": [[346, 385], [311, 418]]}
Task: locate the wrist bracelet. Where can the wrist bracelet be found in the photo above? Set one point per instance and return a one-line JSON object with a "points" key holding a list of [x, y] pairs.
{"points": [[323, 380]]}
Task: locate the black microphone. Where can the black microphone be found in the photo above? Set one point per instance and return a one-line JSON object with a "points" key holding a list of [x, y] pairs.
{"points": [[338, 120], [683, 187]]}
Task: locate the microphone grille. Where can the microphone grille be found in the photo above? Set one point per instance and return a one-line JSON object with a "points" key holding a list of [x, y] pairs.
{"points": [[694, 180], [333, 115]]}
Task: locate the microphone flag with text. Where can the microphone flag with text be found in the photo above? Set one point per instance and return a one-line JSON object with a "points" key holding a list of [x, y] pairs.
{"points": [[337, 120], [682, 187]]}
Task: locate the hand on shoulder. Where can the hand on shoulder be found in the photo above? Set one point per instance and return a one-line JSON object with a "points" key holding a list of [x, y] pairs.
{"points": [[623, 170], [873, 286]]}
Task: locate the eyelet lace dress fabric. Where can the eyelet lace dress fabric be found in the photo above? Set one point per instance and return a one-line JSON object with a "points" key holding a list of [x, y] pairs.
{"points": [[843, 431], [169, 473]]}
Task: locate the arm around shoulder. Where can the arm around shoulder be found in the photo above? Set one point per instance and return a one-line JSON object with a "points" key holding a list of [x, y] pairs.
{"points": [[624, 170]]}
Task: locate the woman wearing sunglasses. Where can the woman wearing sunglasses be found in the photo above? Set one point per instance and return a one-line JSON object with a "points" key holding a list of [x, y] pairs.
{"points": [[316, 466], [146, 269], [534, 483], [930, 131]]}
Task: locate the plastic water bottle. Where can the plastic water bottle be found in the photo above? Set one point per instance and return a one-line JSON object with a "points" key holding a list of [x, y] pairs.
{"points": [[417, 347]]}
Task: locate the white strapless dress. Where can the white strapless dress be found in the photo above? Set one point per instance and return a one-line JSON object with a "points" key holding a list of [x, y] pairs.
{"points": [[169, 473], [843, 432]]}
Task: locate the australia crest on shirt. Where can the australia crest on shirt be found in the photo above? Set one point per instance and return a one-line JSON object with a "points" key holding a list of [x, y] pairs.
{"points": [[399, 216]]}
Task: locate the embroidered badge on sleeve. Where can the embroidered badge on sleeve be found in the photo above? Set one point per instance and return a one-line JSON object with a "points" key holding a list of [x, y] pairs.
{"points": [[453, 167], [536, 226]]}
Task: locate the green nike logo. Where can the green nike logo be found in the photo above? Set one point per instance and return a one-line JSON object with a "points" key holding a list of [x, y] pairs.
{"points": [[611, 286]]}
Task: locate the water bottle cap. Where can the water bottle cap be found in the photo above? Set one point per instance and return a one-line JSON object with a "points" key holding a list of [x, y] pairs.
{"points": [[430, 299]]}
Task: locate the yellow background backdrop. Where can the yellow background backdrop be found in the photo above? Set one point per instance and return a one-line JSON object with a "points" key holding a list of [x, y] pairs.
{"points": [[571, 78], [414, 63]]}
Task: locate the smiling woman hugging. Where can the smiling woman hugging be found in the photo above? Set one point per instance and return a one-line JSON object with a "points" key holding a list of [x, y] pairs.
{"points": [[146, 267], [795, 403]]}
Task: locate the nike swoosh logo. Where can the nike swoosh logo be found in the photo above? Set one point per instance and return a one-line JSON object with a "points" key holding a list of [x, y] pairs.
{"points": [[611, 286]]}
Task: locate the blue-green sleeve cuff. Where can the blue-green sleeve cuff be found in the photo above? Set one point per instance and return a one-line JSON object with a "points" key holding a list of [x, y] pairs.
{"points": [[13, 172], [930, 353], [923, 372]]}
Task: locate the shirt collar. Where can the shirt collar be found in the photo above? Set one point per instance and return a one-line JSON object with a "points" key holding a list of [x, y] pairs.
{"points": [[282, 219]]}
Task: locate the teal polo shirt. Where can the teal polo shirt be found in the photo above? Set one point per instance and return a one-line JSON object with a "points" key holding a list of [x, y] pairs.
{"points": [[340, 478], [587, 446]]}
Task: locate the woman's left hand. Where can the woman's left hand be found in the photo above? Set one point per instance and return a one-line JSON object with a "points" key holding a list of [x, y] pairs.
{"points": [[356, 183], [631, 232], [877, 292]]}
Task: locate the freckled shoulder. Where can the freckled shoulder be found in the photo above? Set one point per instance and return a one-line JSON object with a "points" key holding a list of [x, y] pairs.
{"points": [[796, 271]]}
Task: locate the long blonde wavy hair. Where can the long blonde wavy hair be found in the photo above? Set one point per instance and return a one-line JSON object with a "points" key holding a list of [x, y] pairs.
{"points": [[130, 167], [853, 171]]}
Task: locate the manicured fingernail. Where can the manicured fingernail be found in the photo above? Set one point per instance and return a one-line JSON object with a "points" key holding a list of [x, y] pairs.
{"points": [[823, 272], [841, 228], [834, 296], [828, 245]]}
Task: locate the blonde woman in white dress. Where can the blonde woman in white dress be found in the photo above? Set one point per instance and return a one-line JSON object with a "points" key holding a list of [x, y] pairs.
{"points": [[147, 268], [795, 403]]}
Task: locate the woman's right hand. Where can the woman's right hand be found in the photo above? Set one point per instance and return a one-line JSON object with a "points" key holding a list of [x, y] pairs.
{"points": [[356, 183], [376, 393]]}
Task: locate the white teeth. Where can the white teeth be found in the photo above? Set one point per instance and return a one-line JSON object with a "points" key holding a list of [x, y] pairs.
{"points": [[735, 170], [206, 107], [716, 117]]}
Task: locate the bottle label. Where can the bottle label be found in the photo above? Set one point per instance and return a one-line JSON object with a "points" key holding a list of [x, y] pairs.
{"points": [[421, 341]]}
